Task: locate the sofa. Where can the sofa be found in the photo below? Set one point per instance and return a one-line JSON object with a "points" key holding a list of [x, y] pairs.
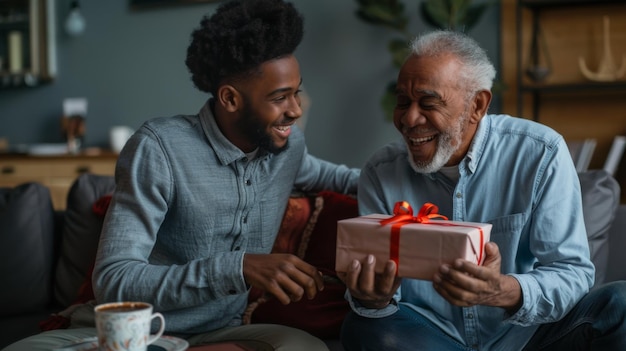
{"points": [[47, 255]]}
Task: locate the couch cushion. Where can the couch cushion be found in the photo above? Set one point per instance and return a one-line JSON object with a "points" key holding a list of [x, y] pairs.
{"points": [[26, 248], [323, 315], [81, 234], [617, 242], [601, 196]]}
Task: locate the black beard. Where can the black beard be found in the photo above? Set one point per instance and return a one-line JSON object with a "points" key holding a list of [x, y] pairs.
{"points": [[257, 133]]}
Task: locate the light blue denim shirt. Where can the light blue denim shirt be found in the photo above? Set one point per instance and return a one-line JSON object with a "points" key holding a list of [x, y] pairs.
{"points": [[519, 176], [188, 204]]}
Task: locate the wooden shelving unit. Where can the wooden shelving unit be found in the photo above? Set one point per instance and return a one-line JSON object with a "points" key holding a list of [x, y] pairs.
{"points": [[27, 43], [566, 100], [538, 90]]}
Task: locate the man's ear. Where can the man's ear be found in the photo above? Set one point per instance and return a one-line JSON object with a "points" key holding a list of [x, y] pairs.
{"points": [[481, 102], [229, 97]]}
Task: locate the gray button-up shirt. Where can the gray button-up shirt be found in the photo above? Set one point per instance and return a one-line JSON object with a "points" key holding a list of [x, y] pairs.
{"points": [[188, 204]]}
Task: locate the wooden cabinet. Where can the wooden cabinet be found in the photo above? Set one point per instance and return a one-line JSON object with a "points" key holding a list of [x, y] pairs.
{"points": [[56, 172], [27, 42]]}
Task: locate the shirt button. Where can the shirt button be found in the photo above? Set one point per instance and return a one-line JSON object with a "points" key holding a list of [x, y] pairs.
{"points": [[244, 219], [237, 248], [458, 195], [232, 291], [248, 182], [470, 316]]}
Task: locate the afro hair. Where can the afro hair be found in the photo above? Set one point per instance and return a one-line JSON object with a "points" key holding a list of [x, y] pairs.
{"points": [[239, 37]]}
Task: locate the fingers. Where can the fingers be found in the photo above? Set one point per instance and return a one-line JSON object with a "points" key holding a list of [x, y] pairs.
{"points": [[284, 290], [366, 283], [492, 255], [286, 277], [465, 283], [389, 282], [352, 276], [454, 286], [311, 280], [372, 289], [299, 279], [464, 273]]}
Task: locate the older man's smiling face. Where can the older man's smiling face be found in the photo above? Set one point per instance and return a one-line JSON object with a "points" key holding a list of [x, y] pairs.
{"points": [[433, 112]]}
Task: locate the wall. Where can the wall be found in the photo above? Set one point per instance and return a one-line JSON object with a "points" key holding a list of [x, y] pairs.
{"points": [[130, 67]]}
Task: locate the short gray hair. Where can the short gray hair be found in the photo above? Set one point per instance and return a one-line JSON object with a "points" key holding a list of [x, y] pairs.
{"points": [[478, 72]]}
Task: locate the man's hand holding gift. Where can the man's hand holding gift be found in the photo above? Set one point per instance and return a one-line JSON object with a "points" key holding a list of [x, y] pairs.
{"points": [[467, 284], [371, 289]]}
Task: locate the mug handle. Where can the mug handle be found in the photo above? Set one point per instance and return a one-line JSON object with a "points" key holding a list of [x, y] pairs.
{"points": [[155, 337]]}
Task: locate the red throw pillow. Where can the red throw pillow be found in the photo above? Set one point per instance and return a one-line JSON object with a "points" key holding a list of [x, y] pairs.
{"points": [[323, 315], [321, 249], [289, 237]]}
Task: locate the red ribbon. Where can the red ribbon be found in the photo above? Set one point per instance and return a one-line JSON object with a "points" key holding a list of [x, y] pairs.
{"points": [[403, 214]]}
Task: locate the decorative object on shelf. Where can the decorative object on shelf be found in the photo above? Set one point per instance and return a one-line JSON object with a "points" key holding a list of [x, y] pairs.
{"points": [[607, 70], [16, 52], [459, 15], [73, 123], [118, 136], [4, 145], [539, 62], [75, 22]]}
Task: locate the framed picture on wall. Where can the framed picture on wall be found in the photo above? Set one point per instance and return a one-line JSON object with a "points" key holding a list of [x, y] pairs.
{"points": [[144, 4]]}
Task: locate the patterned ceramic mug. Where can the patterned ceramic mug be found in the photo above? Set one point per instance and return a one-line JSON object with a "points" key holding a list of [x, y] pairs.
{"points": [[126, 326]]}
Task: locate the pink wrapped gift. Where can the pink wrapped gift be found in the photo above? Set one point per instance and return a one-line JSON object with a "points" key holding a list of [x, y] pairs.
{"points": [[418, 245]]}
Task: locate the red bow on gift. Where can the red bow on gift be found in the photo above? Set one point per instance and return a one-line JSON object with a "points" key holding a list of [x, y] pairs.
{"points": [[403, 214]]}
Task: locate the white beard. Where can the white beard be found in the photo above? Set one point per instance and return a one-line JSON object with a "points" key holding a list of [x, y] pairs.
{"points": [[447, 144]]}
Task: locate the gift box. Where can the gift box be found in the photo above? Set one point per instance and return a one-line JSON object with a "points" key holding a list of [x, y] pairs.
{"points": [[418, 244]]}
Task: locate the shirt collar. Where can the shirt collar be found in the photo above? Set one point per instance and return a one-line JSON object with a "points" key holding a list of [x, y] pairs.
{"points": [[478, 143], [225, 151]]}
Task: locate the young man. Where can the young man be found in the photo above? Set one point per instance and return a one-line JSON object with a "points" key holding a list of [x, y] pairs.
{"points": [[199, 199], [532, 292]]}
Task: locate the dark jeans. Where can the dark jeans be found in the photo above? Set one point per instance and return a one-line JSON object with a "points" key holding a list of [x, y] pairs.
{"points": [[597, 322]]}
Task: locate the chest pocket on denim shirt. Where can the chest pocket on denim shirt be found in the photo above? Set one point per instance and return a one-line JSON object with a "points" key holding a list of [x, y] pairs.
{"points": [[507, 232]]}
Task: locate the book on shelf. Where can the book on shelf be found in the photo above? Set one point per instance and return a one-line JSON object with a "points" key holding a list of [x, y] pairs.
{"points": [[616, 152], [582, 151]]}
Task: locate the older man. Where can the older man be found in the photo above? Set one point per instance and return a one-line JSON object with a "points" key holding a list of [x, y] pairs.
{"points": [[532, 292]]}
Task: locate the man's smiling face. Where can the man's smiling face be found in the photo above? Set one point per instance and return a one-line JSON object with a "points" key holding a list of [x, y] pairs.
{"points": [[271, 105], [433, 112]]}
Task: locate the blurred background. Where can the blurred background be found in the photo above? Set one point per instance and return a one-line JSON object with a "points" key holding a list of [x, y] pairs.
{"points": [[128, 64]]}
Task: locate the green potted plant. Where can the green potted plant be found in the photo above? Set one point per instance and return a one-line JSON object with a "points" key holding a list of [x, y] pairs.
{"points": [[459, 15]]}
